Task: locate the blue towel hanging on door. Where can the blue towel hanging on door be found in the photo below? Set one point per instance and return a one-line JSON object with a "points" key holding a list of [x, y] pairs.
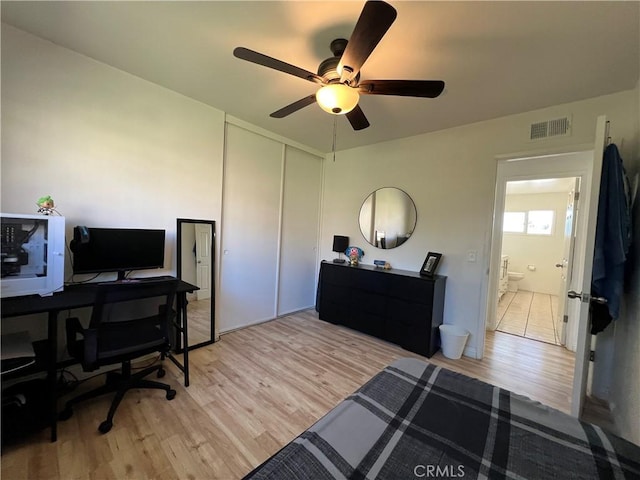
{"points": [[613, 238]]}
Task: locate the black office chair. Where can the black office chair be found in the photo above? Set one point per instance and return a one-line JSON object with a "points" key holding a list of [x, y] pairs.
{"points": [[121, 329]]}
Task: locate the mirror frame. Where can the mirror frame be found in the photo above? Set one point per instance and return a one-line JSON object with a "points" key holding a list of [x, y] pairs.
{"points": [[179, 223], [415, 211]]}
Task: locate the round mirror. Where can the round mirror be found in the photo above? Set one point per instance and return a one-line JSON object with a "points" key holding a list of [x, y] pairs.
{"points": [[387, 218]]}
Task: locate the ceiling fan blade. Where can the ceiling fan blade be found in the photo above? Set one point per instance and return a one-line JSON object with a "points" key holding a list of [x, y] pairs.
{"points": [[374, 21], [404, 88], [294, 107], [266, 61], [357, 118]]}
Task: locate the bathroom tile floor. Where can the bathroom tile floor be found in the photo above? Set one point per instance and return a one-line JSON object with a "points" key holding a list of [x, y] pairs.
{"points": [[530, 315]]}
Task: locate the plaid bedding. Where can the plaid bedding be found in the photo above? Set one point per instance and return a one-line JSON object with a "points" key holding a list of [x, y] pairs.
{"points": [[416, 420]]}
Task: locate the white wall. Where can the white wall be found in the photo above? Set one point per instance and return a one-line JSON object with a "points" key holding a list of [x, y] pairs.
{"points": [[110, 148], [114, 150], [451, 174], [542, 252]]}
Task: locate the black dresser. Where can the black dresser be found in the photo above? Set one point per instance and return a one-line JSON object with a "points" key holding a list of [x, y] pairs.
{"points": [[399, 306]]}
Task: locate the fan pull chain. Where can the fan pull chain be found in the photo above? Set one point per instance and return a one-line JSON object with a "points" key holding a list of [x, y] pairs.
{"points": [[335, 129]]}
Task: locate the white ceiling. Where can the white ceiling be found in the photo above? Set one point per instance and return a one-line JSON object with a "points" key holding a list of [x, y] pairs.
{"points": [[497, 58]]}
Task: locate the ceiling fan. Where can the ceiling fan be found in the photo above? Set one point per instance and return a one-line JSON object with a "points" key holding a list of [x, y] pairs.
{"points": [[339, 76]]}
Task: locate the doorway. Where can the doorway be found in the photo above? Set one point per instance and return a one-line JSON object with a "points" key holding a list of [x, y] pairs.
{"points": [[560, 165], [538, 233], [587, 166]]}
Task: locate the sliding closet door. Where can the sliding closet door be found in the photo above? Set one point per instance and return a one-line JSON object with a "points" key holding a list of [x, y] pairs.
{"points": [[250, 228], [299, 240]]}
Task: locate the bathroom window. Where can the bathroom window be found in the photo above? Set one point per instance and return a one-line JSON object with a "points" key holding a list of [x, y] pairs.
{"points": [[514, 222], [531, 222], [540, 222]]}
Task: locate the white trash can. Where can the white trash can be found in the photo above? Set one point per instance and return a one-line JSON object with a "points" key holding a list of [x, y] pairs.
{"points": [[453, 340]]}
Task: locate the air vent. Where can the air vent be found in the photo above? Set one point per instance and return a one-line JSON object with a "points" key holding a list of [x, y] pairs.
{"points": [[558, 127]]}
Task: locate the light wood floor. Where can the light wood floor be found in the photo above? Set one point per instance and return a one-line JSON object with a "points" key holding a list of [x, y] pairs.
{"points": [[251, 393], [530, 315]]}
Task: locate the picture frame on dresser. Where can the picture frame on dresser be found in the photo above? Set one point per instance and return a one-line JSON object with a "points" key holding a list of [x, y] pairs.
{"points": [[430, 264]]}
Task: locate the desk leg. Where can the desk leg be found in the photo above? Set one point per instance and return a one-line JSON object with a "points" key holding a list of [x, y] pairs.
{"points": [[185, 334], [51, 373], [182, 328]]}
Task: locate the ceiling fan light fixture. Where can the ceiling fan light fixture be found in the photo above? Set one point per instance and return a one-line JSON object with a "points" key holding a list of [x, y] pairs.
{"points": [[337, 98]]}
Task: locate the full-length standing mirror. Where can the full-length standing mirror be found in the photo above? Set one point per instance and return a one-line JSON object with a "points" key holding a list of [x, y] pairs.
{"points": [[387, 218], [196, 265]]}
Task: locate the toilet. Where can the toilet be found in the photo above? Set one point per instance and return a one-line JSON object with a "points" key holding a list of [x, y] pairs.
{"points": [[514, 279]]}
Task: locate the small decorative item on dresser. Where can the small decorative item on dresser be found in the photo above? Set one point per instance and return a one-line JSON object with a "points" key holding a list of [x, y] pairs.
{"points": [[354, 254], [430, 264], [379, 263]]}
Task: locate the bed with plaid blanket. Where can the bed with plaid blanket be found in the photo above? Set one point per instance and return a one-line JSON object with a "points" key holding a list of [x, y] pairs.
{"points": [[416, 420]]}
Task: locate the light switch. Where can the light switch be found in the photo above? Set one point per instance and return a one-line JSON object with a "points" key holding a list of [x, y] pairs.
{"points": [[471, 256]]}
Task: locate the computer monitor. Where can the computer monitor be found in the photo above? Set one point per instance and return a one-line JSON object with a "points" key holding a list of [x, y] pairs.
{"points": [[121, 250]]}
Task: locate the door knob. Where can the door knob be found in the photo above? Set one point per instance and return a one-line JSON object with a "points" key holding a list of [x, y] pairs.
{"points": [[559, 265], [585, 297]]}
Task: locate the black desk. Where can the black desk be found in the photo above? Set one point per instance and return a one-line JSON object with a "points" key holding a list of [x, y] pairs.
{"points": [[78, 296]]}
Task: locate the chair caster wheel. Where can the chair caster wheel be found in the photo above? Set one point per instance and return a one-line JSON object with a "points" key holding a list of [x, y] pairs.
{"points": [[105, 426], [161, 373], [171, 394], [65, 414]]}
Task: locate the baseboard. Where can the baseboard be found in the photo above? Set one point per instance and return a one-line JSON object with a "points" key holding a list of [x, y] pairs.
{"points": [[250, 324], [264, 320], [470, 352]]}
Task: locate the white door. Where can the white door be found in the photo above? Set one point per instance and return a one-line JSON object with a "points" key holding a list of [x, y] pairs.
{"points": [[250, 229], [566, 263], [203, 260], [299, 233], [584, 280]]}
